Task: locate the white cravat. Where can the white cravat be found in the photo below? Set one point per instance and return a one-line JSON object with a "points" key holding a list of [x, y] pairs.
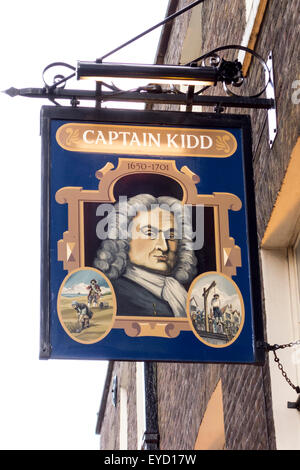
{"points": [[165, 287]]}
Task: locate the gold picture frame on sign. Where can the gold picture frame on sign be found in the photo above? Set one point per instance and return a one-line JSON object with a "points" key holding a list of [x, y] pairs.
{"points": [[78, 246]]}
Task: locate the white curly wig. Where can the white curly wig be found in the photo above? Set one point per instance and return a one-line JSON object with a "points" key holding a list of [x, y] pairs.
{"points": [[112, 257]]}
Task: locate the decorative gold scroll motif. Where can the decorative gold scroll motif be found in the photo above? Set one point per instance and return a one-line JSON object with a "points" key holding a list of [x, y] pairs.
{"points": [[141, 140], [71, 247], [152, 326]]}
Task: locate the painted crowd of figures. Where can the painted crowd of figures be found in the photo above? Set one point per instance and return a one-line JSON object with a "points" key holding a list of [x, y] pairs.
{"points": [[225, 322]]}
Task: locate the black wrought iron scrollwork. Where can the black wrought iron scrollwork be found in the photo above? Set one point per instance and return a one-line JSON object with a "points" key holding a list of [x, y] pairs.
{"points": [[231, 71], [59, 80]]}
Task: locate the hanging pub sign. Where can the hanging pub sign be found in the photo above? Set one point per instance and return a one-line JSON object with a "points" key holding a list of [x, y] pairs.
{"points": [[149, 248]]}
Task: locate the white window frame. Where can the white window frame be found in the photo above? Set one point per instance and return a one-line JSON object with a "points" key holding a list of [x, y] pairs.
{"points": [[281, 296]]}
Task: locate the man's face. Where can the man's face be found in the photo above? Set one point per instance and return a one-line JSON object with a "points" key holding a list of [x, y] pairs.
{"points": [[153, 245]]}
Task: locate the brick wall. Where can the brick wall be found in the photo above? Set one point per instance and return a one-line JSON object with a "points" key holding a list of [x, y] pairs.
{"points": [[184, 391]]}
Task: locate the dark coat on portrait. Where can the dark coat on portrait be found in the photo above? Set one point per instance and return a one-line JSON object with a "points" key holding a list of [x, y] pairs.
{"points": [[135, 300]]}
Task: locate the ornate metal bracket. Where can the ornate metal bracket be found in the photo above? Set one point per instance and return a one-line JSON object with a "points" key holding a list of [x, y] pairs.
{"points": [[227, 72], [232, 77]]}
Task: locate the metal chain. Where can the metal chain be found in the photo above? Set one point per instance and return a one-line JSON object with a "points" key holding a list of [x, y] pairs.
{"points": [[274, 348]]}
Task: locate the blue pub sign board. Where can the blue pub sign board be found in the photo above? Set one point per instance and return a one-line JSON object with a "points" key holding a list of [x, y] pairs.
{"points": [[149, 247]]}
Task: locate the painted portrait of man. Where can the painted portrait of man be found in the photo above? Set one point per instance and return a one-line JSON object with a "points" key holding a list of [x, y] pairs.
{"points": [[148, 256]]}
